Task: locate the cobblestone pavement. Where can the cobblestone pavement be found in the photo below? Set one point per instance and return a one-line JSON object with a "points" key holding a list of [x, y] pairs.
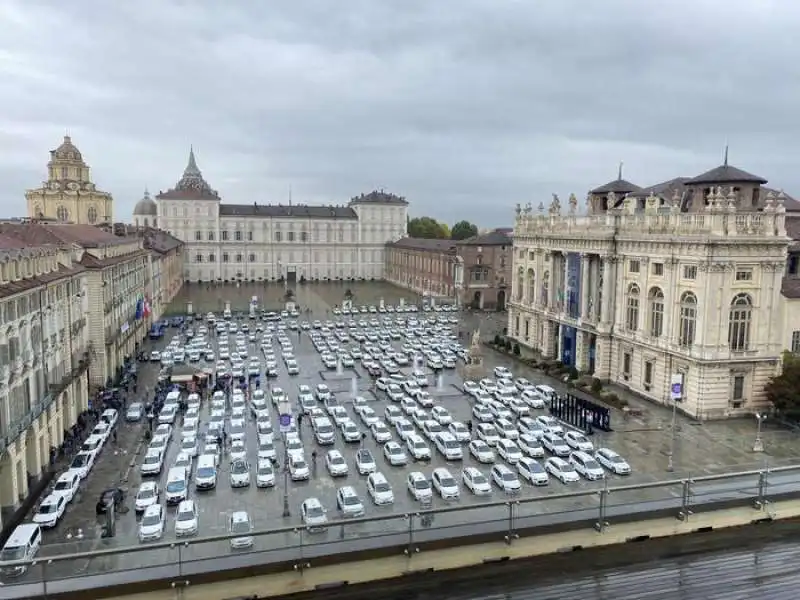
{"points": [[699, 448]]}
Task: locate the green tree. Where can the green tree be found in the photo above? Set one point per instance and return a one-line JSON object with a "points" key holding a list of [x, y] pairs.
{"points": [[783, 391], [427, 228], [463, 230]]}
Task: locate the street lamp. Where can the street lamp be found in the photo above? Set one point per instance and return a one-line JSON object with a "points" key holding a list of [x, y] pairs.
{"points": [[287, 512], [758, 444], [671, 454]]}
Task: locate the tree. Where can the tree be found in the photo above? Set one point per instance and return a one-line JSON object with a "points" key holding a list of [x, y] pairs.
{"points": [[783, 391], [463, 230], [427, 228]]}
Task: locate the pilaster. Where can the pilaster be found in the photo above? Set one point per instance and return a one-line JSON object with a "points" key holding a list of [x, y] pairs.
{"points": [[585, 287]]}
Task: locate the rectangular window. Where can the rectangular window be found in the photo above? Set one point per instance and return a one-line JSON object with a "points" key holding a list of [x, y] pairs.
{"points": [[290, 236], [224, 235], [633, 266], [198, 258], [249, 236], [649, 367], [303, 236], [737, 391], [252, 257], [744, 274], [198, 235], [627, 359], [277, 236], [791, 269], [225, 257], [690, 272], [210, 236], [237, 235], [796, 342], [658, 269]]}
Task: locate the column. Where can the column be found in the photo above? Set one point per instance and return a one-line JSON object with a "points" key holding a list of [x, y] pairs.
{"points": [[585, 286], [606, 302], [594, 312], [552, 283], [564, 285], [581, 352]]}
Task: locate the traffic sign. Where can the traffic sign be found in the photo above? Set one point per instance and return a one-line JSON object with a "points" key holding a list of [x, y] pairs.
{"points": [[676, 387], [285, 423]]}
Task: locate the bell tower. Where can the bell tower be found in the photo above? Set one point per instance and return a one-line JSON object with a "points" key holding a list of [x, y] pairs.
{"points": [[68, 194]]}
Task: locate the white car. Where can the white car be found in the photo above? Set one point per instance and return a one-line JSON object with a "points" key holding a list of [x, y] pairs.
{"points": [[67, 485], [555, 444], [530, 426], [431, 429], [239, 473], [365, 462], [294, 446], [348, 502], [482, 414], [380, 432], [379, 489], [298, 468], [459, 431], [394, 454], [419, 417], [323, 392], [561, 470], [417, 447], [419, 487], [487, 433], [518, 407], [424, 399], [265, 474], [50, 511], [530, 445], [612, 461], [550, 424], [240, 527], [578, 441], [488, 385], [153, 462], [502, 373], [368, 416], [336, 464], [471, 388], [506, 479], [404, 429], [82, 463], [506, 429], [508, 451], [533, 471], [481, 451], [532, 398], [395, 392], [441, 415], [445, 484], [350, 432], [522, 384], [189, 446], [313, 514], [186, 519], [393, 414], [238, 450], [448, 446], [476, 482], [339, 415], [587, 466], [151, 527]]}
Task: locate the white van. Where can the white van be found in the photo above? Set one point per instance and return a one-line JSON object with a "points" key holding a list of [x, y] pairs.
{"points": [[23, 544], [205, 475], [177, 488]]}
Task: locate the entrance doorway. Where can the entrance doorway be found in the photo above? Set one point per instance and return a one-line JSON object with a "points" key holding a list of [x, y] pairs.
{"points": [[291, 275], [477, 300], [501, 301]]}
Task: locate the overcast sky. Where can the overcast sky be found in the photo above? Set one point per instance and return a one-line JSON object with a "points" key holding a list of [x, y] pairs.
{"points": [[465, 107]]}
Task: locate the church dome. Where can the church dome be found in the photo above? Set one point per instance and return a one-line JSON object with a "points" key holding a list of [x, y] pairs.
{"points": [[67, 151], [146, 207]]}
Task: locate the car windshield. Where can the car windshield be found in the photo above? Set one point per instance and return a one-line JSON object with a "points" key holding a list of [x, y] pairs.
{"points": [[364, 456], [48, 508], [206, 472], [299, 464], [591, 464], [146, 494], [81, 460], [579, 439], [451, 444], [325, 428], [186, 515], [314, 511], [176, 486], [382, 487], [239, 468], [509, 477], [237, 428], [151, 519], [479, 479], [421, 484], [337, 460], [351, 500], [265, 446], [567, 468], [63, 485], [615, 459], [447, 482], [265, 470], [152, 459], [535, 468], [419, 444]]}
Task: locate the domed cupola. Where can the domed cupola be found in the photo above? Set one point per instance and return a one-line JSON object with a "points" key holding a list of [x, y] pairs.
{"points": [[146, 207]]}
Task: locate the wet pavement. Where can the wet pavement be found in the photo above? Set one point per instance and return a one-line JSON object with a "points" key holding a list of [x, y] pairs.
{"points": [[644, 441]]}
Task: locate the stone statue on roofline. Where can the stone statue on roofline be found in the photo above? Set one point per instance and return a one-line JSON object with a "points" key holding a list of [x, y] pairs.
{"points": [[518, 210], [555, 206], [573, 204], [528, 209]]}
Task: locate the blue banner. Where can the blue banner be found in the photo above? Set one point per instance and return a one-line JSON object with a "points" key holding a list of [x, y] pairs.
{"points": [[569, 337], [573, 285]]}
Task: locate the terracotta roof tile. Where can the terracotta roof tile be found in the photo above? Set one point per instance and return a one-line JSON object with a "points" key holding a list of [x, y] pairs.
{"points": [[40, 233], [92, 262], [24, 285]]}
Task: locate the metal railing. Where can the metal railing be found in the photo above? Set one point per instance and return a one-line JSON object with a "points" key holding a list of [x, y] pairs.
{"points": [[85, 565]]}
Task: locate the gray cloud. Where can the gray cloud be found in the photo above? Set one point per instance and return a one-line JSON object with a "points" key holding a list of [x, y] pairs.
{"points": [[464, 106]]}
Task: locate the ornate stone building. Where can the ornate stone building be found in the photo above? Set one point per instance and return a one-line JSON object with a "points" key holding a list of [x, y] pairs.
{"points": [[45, 355], [69, 195], [678, 279], [258, 242]]}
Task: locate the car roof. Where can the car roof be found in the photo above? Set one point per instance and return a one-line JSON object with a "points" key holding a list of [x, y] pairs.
{"points": [[147, 485], [51, 499], [67, 476], [239, 516], [501, 467], [153, 508], [441, 471], [416, 475], [313, 501], [186, 505]]}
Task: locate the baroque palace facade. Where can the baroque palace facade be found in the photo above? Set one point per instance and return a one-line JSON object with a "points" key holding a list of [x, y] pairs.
{"points": [[689, 280], [264, 242]]}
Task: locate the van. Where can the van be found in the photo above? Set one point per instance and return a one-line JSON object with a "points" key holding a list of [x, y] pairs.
{"points": [[23, 544], [205, 475], [177, 487]]}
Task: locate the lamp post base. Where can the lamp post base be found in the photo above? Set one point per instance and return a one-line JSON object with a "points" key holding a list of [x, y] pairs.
{"points": [[758, 445]]}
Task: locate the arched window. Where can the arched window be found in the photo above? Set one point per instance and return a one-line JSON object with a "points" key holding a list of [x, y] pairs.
{"points": [[656, 312], [62, 214], [739, 323], [520, 283], [91, 215], [688, 319], [632, 308], [545, 287], [531, 286], [212, 258]]}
